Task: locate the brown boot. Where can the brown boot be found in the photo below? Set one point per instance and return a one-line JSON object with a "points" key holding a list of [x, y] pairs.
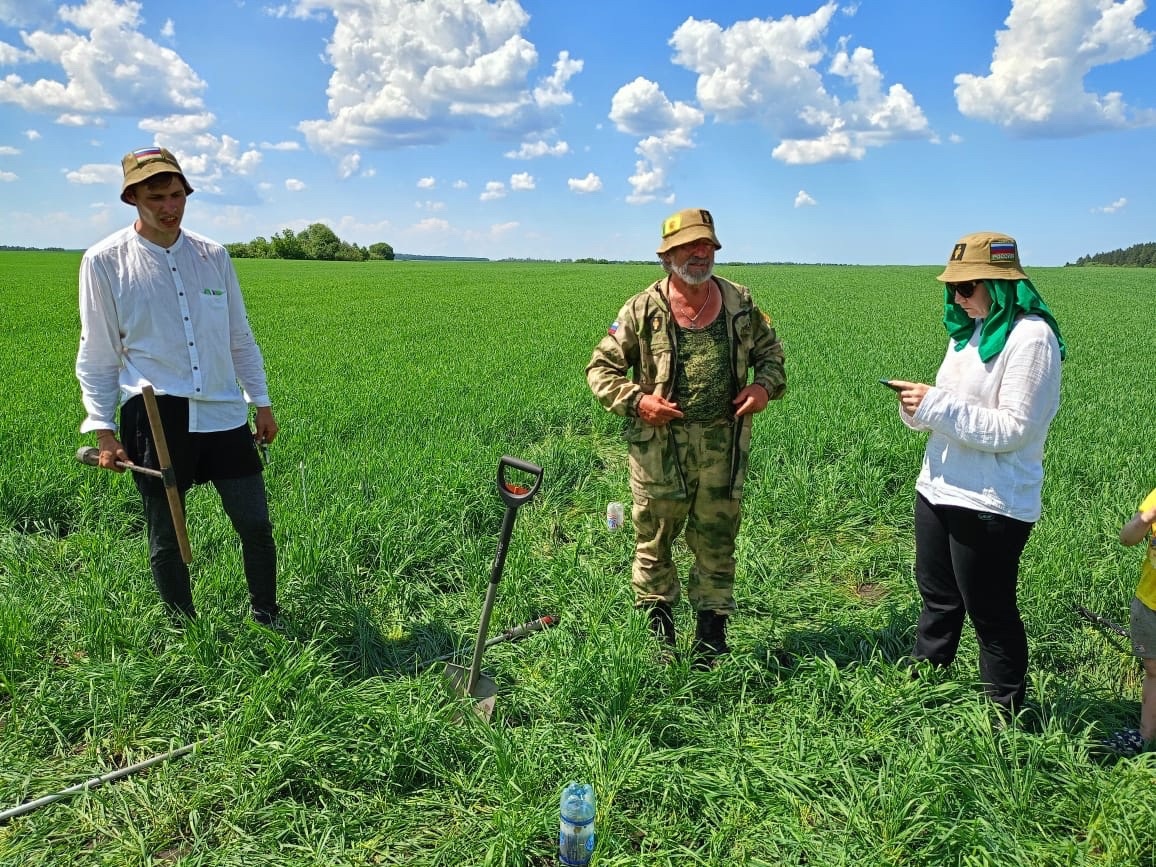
{"points": [[710, 639]]}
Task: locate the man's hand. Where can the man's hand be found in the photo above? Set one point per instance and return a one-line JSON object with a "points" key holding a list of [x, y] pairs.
{"points": [[752, 399], [111, 451], [266, 425], [656, 410]]}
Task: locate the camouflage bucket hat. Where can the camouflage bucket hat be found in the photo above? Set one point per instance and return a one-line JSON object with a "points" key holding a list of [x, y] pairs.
{"points": [[691, 224], [983, 256], [143, 163]]}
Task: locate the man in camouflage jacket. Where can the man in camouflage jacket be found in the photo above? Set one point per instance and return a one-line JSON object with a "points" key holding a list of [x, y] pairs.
{"points": [[688, 471]]}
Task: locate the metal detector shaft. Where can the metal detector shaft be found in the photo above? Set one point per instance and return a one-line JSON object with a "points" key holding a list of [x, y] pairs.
{"points": [[93, 783], [91, 457]]}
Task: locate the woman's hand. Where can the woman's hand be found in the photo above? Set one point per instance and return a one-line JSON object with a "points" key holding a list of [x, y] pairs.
{"points": [[911, 394]]}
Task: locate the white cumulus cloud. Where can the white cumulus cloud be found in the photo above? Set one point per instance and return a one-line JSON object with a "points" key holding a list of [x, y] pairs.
{"points": [[804, 199], [641, 108], [96, 173], [426, 183], [494, 190], [432, 224], [589, 184], [768, 71], [293, 185], [781, 74], [1112, 208], [522, 181], [416, 73], [1035, 85], [533, 149], [107, 67]]}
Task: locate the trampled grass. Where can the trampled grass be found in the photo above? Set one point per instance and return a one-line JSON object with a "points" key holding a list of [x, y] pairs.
{"points": [[398, 387]]}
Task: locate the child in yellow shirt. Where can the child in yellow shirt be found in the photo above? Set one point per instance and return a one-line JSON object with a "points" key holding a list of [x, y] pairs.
{"points": [[1143, 623]]}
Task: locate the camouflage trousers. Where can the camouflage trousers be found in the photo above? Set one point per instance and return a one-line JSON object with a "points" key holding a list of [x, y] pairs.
{"points": [[710, 518]]}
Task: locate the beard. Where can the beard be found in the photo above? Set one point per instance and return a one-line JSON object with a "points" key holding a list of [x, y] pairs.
{"points": [[684, 273]]}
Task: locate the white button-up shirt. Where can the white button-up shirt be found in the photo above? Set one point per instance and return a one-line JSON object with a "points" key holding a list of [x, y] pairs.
{"points": [[170, 317]]}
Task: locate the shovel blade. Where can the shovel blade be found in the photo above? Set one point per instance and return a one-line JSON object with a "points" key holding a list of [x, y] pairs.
{"points": [[484, 693]]}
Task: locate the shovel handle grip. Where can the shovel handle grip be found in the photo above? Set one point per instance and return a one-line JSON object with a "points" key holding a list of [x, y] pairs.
{"points": [[512, 494]]}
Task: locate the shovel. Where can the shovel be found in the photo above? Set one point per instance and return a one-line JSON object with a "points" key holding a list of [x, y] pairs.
{"points": [[470, 681]]}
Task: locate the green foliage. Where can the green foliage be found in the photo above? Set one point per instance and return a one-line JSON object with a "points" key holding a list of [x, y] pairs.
{"points": [[287, 245], [317, 242], [381, 250], [325, 745], [1136, 256]]}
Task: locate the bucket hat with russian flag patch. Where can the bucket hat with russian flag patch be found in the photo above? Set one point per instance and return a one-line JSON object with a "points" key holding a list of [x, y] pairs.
{"points": [[983, 256], [142, 163]]}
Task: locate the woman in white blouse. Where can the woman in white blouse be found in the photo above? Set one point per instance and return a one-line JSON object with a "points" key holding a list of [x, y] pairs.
{"points": [[978, 491]]}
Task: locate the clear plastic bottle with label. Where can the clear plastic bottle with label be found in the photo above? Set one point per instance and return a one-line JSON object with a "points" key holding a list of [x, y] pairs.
{"points": [[615, 515], [576, 824]]}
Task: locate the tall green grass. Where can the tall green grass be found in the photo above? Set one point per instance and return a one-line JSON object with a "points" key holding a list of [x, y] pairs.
{"points": [[398, 387]]}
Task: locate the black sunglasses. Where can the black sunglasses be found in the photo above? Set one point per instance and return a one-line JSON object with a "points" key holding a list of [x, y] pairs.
{"points": [[964, 290]]}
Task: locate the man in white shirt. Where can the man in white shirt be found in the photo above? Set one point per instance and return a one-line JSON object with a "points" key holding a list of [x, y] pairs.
{"points": [[162, 306]]}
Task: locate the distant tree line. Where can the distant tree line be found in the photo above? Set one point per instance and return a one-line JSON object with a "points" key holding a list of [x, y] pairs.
{"points": [[9, 248], [1136, 256], [317, 241]]}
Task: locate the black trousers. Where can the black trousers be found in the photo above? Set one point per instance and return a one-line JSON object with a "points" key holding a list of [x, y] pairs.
{"points": [[967, 562], [227, 459]]}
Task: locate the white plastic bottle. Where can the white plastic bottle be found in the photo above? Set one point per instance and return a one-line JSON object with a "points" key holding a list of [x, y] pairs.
{"points": [[576, 824]]}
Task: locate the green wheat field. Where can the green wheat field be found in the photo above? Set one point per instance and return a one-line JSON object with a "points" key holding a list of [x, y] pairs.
{"points": [[399, 386]]}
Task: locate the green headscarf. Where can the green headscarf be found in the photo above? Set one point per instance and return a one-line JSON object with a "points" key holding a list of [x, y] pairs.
{"points": [[1009, 299]]}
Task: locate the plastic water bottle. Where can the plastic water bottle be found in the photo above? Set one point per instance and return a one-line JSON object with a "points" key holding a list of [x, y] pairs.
{"points": [[576, 824], [615, 515]]}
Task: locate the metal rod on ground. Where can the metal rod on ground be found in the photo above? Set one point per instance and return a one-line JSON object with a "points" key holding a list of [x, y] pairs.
{"points": [[512, 634], [1102, 621], [93, 783], [176, 507]]}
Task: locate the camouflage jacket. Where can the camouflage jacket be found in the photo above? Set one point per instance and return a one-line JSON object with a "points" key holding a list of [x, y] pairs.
{"points": [[643, 341]]}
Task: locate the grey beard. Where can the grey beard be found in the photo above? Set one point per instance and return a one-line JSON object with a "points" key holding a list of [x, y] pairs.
{"points": [[684, 274]]}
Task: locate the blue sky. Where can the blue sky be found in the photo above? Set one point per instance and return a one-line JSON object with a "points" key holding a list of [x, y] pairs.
{"points": [[872, 132]]}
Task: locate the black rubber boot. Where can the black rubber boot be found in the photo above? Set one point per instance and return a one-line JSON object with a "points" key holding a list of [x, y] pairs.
{"points": [[662, 622], [710, 639]]}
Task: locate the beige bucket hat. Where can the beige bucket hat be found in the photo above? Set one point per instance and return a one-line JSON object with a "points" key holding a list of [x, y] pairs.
{"points": [[984, 256], [142, 163], [690, 224]]}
